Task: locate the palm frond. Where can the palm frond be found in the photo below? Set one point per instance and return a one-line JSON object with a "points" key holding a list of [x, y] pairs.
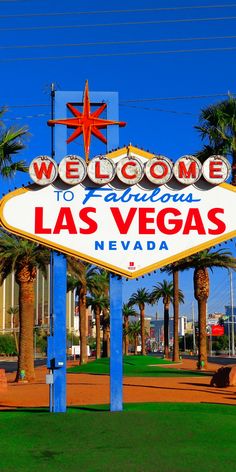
{"points": [[16, 252]]}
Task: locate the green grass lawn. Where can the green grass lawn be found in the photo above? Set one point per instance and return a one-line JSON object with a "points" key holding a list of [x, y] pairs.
{"points": [[153, 437], [136, 366]]}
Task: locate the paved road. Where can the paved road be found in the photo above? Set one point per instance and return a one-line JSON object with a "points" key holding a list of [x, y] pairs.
{"points": [[223, 360], [11, 366]]}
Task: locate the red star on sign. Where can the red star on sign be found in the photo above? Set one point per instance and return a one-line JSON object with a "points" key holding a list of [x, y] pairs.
{"points": [[86, 123]]}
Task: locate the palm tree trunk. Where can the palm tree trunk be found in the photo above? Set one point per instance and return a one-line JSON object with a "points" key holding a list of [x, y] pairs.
{"points": [[142, 320], [16, 342], [98, 340], [233, 178], [83, 327], [126, 325], [166, 331], [26, 339], [136, 345], [106, 331], [108, 341], [176, 315], [201, 293], [15, 335], [202, 352], [104, 343]]}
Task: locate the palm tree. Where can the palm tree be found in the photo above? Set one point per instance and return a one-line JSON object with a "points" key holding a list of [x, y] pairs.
{"points": [[201, 262], [218, 125], [165, 291], [98, 303], [134, 331], [100, 286], [127, 312], [139, 298], [11, 142], [174, 270], [23, 257], [80, 274]]}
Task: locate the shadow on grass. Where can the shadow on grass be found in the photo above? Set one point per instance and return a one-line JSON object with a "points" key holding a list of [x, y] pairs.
{"points": [[19, 409], [101, 408], [92, 408]]}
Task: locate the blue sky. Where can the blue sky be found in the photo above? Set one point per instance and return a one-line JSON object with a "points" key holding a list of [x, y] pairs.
{"points": [[167, 60]]}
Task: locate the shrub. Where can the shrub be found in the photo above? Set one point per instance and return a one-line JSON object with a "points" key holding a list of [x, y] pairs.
{"points": [[7, 345], [220, 343], [40, 339], [92, 342], [41, 343]]}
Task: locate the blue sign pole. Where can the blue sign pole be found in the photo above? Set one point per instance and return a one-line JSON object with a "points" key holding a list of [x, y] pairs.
{"points": [[57, 340], [116, 299], [116, 361]]}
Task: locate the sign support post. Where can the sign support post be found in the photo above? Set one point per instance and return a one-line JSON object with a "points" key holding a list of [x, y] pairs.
{"points": [[57, 338], [116, 360]]}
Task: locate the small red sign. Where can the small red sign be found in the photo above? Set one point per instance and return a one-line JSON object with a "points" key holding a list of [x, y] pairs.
{"points": [[217, 330]]}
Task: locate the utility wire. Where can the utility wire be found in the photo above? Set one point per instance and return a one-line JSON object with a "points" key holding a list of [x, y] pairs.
{"points": [[112, 43], [125, 23], [159, 109], [99, 12], [141, 53], [42, 115], [183, 97], [38, 115], [122, 102], [25, 106]]}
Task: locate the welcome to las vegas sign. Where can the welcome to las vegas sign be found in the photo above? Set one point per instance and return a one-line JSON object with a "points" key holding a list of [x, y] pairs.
{"points": [[118, 214]]}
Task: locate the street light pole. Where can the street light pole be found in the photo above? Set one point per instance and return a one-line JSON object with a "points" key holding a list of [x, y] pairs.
{"points": [[232, 312], [194, 340]]}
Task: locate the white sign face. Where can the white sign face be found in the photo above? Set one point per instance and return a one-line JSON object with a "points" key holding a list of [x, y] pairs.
{"points": [[130, 230]]}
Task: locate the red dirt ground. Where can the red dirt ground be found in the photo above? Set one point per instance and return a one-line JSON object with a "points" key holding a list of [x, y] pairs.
{"points": [[85, 389]]}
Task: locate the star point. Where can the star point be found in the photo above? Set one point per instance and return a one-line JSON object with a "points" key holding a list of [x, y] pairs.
{"points": [[86, 122]]}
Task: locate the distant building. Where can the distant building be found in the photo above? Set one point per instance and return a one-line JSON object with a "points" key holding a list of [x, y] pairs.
{"points": [[214, 318], [189, 327], [157, 330], [230, 316], [9, 298], [230, 310]]}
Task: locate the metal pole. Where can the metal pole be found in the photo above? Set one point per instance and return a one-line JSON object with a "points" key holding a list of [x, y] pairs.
{"points": [[35, 343], [228, 337], [194, 338], [4, 306], [37, 297], [52, 118], [232, 312]]}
